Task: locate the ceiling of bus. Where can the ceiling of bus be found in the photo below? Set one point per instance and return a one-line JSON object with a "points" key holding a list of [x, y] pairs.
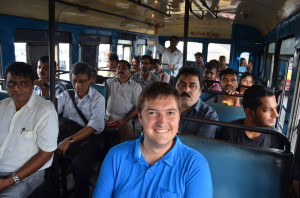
{"points": [[261, 14]]}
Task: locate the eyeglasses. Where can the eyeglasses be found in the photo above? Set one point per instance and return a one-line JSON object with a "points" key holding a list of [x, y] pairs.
{"points": [[74, 81], [182, 85], [145, 63], [22, 84]]}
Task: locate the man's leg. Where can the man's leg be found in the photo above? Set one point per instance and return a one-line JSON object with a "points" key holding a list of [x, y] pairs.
{"points": [[25, 187]]}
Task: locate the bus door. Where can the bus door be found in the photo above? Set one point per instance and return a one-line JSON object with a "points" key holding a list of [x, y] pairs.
{"points": [[282, 80]]}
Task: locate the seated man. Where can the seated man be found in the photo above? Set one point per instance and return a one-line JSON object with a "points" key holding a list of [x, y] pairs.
{"points": [[211, 73], [42, 84], [260, 106], [157, 70], [188, 87], [199, 64], [28, 134], [144, 77], [95, 78], [123, 93], [157, 164], [222, 63], [112, 60], [229, 84], [92, 104]]}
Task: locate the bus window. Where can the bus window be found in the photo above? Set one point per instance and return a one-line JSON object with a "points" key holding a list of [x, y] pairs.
{"points": [[64, 59], [103, 49], [141, 50], [124, 49], [215, 50], [20, 52], [268, 74], [193, 48]]}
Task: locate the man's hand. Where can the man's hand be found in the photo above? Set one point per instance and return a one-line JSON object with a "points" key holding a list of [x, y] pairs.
{"points": [[43, 86], [115, 123], [171, 66], [63, 146]]}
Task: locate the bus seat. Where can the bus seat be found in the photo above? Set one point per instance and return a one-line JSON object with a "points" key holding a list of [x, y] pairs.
{"points": [[3, 94], [240, 171], [206, 96], [100, 88], [168, 71], [227, 113]]}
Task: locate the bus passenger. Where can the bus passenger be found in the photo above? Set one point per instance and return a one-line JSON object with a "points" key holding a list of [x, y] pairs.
{"points": [[246, 80], [199, 64], [92, 105], [144, 77], [157, 164], [249, 67], [211, 73], [229, 84], [135, 63], [260, 106], [242, 67], [188, 87], [41, 86], [112, 60], [123, 93], [162, 75], [95, 78], [171, 56], [28, 135], [222, 63]]}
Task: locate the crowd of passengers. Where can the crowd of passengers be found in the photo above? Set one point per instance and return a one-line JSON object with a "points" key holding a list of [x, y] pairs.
{"points": [[30, 129]]}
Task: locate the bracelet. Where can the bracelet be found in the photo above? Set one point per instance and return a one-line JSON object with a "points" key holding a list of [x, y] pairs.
{"points": [[16, 178]]}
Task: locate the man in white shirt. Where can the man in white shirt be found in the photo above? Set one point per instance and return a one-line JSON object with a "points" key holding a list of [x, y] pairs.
{"points": [[171, 56], [123, 93], [92, 104], [28, 134]]}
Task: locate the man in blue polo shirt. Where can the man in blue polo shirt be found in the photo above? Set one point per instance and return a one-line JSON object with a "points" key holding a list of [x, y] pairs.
{"points": [[156, 164]]}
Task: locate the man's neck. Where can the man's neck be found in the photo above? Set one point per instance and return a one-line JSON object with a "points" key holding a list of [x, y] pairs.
{"points": [[145, 75], [251, 134], [124, 80], [173, 49]]}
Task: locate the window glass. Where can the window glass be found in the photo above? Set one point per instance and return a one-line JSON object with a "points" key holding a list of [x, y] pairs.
{"points": [[192, 48], [20, 52], [140, 50], [271, 48], [124, 42], [288, 47], [215, 50], [103, 49], [64, 59]]}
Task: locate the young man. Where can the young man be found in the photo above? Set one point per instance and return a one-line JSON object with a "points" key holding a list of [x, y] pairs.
{"points": [[112, 60], [260, 106], [242, 67], [189, 89], [92, 104], [157, 70], [42, 84], [157, 164], [123, 93], [229, 84], [28, 134], [211, 73], [144, 77], [222, 63]]}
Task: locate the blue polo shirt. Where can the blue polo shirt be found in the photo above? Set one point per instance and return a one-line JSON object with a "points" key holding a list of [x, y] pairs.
{"points": [[182, 172]]}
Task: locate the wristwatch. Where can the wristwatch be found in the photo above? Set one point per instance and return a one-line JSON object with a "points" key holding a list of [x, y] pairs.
{"points": [[71, 139], [16, 178]]}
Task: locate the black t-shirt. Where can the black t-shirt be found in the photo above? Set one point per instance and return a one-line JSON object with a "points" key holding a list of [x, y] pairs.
{"points": [[236, 135]]}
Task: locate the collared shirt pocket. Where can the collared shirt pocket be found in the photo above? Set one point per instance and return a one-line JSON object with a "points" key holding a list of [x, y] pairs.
{"points": [[23, 141], [162, 193]]}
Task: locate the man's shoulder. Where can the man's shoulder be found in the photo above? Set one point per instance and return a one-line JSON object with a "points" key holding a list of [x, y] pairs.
{"points": [[122, 149], [154, 77], [207, 111]]}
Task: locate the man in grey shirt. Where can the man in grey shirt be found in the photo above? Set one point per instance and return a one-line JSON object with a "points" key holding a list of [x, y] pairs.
{"points": [[189, 89], [123, 93]]}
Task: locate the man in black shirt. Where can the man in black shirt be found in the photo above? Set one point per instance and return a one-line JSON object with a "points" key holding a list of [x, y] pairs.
{"points": [[260, 106]]}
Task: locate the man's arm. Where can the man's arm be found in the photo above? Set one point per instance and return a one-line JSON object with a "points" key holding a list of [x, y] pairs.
{"points": [[158, 46], [132, 113], [179, 62], [34, 164]]}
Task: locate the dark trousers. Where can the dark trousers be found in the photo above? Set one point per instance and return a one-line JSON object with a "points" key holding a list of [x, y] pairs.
{"points": [[82, 161]]}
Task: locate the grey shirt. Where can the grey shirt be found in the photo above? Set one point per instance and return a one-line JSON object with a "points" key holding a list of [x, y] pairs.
{"points": [[121, 98], [139, 78], [203, 111]]}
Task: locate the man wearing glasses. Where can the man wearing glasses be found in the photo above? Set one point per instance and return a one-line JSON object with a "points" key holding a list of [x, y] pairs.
{"points": [[188, 87], [28, 134], [145, 77]]}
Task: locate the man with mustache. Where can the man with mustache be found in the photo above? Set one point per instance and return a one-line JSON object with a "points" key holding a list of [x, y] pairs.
{"points": [[188, 87], [122, 97], [145, 77], [229, 84], [42, 84], [211, 73], [260, 106]]}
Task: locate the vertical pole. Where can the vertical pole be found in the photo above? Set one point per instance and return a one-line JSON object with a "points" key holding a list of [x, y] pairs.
{"points": [[186, 31], [51, 45]]}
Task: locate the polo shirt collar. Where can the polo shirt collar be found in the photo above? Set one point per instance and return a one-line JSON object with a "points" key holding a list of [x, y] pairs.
{"points": [[149, 76], [169, 158]]}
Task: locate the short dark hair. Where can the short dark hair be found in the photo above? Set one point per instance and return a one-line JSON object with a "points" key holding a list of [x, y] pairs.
{"points": [[253, 94], [93, 71], [221, 57], [20, 69], [155, 61], [174, 37], [137, 58], [214, 62], [126, 62], [228, 71], [44, 59], [188, 71], [157, 90], [81, 68], [147, 56], [210, 65], [199, 54], [242, 59], [245, 74], [113, 56]]}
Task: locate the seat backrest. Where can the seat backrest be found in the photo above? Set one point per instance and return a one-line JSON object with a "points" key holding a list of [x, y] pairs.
{"points": [[227, 113], [206, 96], [168, 71], [3, 94], [239, 171], [100, 88]]}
